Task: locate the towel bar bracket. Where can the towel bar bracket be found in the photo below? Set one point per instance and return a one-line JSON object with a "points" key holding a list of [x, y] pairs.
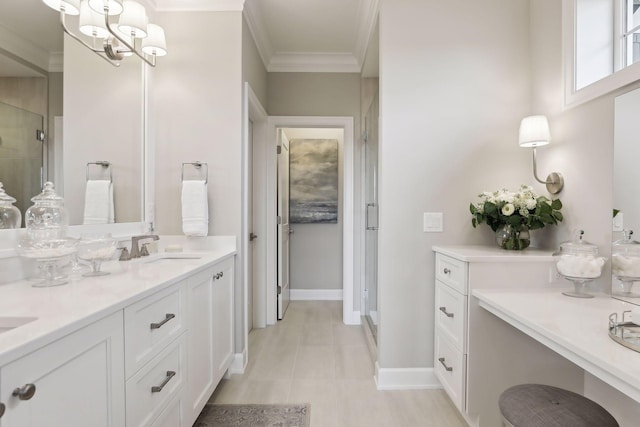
{"points": [[198, 166]]}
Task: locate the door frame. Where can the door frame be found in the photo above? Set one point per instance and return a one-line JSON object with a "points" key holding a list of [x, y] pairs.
{"points": [[350, 316]]}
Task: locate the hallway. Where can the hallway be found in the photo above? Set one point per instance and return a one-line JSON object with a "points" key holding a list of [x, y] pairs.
{"points": [[312, 357]]}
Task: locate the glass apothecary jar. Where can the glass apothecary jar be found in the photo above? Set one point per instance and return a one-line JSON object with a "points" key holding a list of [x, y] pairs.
{"points": [[625, 264], [10, 216], [46, 239], [579, 263]]}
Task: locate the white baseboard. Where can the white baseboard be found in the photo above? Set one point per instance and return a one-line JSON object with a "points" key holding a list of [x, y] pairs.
{"points": [[355, 318], [406, 378], [239, 363], [316, 294]]}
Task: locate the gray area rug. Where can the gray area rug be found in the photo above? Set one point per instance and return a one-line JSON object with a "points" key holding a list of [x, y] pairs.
{"points": [[254, 416]]}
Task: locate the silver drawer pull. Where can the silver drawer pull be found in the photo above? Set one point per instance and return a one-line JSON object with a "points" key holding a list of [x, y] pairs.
{"points": [[2, 408], [447, 368], [447, 271], [168, 317], [158, 388], [25, 392], [444, 310]]}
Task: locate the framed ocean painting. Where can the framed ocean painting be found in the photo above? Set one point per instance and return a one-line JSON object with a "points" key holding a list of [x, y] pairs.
{"points": [[313, 181]]}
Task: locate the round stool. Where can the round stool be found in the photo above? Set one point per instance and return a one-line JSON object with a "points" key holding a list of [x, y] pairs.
{"points": [[536, 405]]}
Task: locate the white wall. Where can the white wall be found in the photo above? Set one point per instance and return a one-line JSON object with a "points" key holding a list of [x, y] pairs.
{"points": [[316, 249], [103, 119], [197, 115], [454, 85], [253, 70]]}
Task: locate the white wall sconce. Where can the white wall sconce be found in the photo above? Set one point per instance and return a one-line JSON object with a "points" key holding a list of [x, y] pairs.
{"points": [[133, 34], [534, 132]]}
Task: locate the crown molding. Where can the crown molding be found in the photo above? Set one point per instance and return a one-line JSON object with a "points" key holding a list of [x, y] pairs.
{"points": [[367, 16], [258, 32], [198, 5], [327, 62], [24, 49], [320, 62]]}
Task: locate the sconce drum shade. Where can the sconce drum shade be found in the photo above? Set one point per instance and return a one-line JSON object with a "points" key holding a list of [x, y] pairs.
{"points": [[91, 22], [154, 43], [133, 19], [115, 6], [534, 131], [71, 7]]}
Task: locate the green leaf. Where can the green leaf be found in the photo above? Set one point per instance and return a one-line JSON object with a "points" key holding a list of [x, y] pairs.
{"points": [[472, 208], [556, 204], [474, 222]]}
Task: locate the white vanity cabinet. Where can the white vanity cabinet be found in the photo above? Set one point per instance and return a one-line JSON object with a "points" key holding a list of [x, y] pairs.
{"points": [[459, 270], [155, 354], [210, 336], [78, 380]]}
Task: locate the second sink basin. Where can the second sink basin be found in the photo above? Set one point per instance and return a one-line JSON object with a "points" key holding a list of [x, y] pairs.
{"points": [[9, 323]]}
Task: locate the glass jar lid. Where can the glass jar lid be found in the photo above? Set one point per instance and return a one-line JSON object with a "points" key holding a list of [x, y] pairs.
{"points": [[48, 195], [578, 246], [47, 212], [4, 197], [626, 245]]}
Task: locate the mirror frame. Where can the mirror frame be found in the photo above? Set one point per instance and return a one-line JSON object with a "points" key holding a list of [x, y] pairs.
{"points": [[573, 97]]}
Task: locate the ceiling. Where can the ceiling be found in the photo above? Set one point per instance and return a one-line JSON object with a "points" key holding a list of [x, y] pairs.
{"points": [[291, 35]]}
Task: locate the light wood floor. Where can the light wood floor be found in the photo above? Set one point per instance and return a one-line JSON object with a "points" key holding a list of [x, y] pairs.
{"points": [[312, 357]]}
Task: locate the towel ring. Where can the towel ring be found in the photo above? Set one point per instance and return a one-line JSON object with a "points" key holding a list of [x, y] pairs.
{"points": [[105, 165], [198, 166]]}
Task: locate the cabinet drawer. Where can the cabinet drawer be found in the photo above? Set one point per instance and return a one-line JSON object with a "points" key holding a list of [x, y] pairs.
{"points": [[452, 272], [450, 368], [451, 309], [151, 324], [152, 388], [172, 416]]}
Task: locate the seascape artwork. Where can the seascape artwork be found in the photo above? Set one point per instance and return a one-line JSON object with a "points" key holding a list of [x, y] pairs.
{"points": [[313, 181]]}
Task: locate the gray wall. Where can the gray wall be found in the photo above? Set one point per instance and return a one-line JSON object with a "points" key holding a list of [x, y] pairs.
{"points": [[321, 94], [450, 108], [316, 249]]}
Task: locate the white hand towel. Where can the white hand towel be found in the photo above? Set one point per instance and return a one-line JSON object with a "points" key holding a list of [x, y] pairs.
{"points": [[195, 208], [98, 202]]}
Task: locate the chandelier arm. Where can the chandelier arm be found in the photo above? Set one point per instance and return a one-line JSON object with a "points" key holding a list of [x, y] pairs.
{"points": [[131, 48], [98, 52], [535, 169]]}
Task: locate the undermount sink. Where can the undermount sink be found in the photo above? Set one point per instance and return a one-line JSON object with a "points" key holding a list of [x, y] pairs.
{"points": [[172, 257], [9, 323]]}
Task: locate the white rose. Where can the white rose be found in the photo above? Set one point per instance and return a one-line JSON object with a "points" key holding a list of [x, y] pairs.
{"points": [[531, 204], [508, 209]]}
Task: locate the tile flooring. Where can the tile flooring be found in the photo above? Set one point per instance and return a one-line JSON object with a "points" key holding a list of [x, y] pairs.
{"points": [[311, 356]]}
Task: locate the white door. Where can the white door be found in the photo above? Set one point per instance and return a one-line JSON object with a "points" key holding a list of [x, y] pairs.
{"points": [[283, 224], [252, 235]]}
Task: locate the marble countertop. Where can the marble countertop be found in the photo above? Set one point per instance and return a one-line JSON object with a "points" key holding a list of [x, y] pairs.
{"points": [[479, 253], [63, 309], [573, 327]]}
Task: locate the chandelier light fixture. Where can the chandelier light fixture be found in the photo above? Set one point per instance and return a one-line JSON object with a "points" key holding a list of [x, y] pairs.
{"points": [[132, 34]]}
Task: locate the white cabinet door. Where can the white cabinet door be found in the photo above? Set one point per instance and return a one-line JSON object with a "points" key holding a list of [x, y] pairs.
{"points": [[210, 333], [223, 318], [200, 370], [78, 380]]}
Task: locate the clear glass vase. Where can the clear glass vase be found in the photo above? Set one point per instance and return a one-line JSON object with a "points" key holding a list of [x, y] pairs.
{"points": [[510, 238]]}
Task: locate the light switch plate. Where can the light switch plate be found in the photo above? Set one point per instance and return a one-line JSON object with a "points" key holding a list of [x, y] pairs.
{"points": [[433, 222]]}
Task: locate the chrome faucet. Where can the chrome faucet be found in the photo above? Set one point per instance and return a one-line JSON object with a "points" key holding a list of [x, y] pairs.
{"points": [[135, 249]]}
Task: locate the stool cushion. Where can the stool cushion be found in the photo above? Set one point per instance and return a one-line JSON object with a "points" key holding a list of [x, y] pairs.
{"points": [[535, 405]]}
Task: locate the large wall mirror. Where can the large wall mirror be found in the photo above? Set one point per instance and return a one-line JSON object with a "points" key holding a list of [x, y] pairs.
{"points": [[626, 203], [91, 111]]}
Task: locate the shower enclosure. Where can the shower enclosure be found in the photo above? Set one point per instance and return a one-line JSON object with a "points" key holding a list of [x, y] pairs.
{"points": [[371, 217], [21, 154]]}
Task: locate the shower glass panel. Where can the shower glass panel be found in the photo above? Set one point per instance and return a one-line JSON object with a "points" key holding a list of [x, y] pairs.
{"points": [[20, 154], [371, 222]]}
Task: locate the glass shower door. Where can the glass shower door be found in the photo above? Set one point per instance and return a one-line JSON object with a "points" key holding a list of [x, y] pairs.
{"points": [[371, 220], [20, 154]]}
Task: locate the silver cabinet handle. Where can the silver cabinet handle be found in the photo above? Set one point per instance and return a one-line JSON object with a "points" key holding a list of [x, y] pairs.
{"points": [[447, 368], [221, 273], [25, 392], [2, 408], [168, 317], [447, 271], [158, 388], [444, 310]]}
